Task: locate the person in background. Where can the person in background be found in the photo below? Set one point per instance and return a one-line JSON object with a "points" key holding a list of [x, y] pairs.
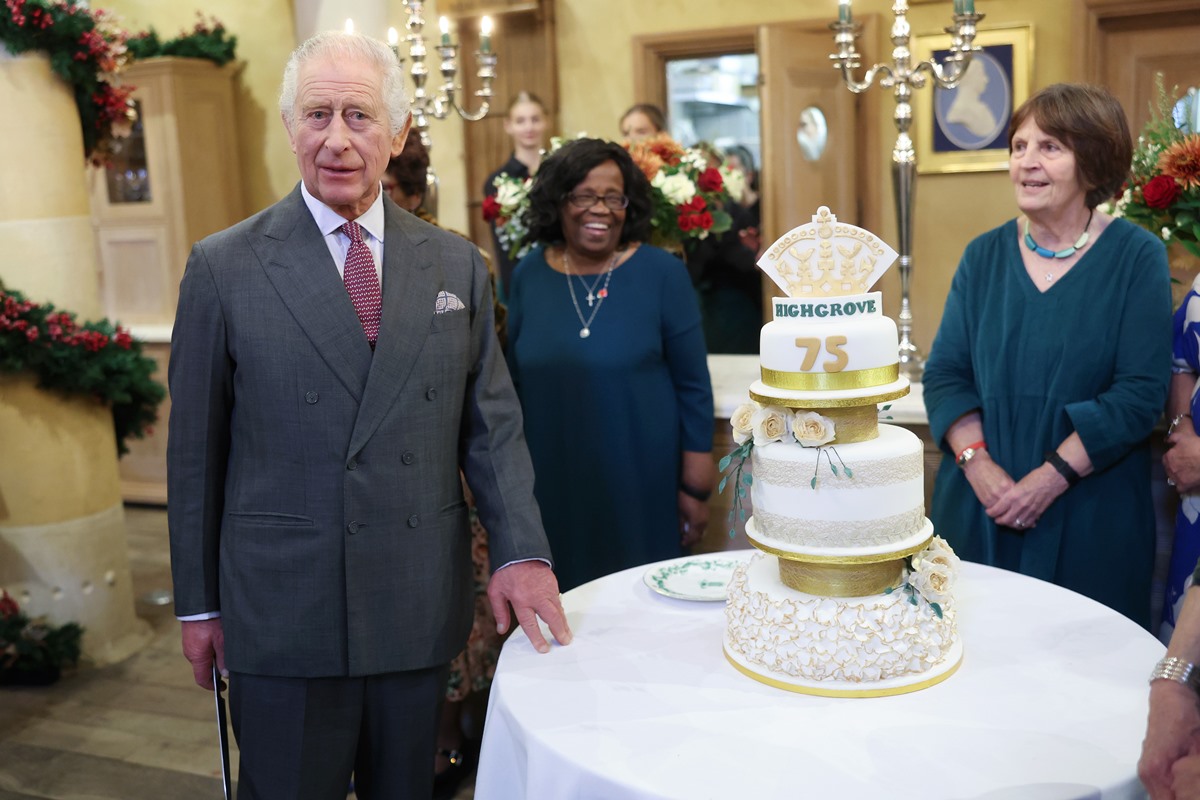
{"points": [[607, 353], [1051, 365], [525, 124], [1182, 459], [333, 368], [472, 670], [739, 157], [727, 280], [642, 120], [1170, 763]]}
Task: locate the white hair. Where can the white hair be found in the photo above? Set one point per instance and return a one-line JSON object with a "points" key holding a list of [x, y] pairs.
{"points": [[335, 45]]}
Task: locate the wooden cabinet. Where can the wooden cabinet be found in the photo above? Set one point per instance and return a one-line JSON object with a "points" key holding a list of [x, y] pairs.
{"points": [[175, 180]]}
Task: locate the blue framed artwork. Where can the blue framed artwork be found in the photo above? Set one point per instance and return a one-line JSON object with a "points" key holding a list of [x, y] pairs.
{"points": [[965, 129]]}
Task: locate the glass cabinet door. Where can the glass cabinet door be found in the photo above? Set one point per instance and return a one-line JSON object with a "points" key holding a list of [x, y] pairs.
{"points": [[126, 176]]}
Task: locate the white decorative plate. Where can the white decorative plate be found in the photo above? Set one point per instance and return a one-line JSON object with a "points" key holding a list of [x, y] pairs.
{"points": [[698, 578]]}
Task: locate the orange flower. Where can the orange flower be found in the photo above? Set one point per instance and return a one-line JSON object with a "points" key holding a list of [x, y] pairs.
{"points": [[1181, 161]]}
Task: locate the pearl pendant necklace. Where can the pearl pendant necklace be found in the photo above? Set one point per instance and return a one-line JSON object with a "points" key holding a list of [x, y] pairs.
{"points": [[586, 330], [1080, 243]]}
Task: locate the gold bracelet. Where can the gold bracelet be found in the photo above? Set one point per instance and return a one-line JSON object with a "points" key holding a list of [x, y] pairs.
{"points": [[1178, 670]]}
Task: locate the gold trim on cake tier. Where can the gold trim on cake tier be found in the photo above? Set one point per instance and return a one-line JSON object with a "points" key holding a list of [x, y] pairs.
{"points": [[831, 381], [902, 549], [760, 392], [841, 580], [941, 673], [854, 424]]}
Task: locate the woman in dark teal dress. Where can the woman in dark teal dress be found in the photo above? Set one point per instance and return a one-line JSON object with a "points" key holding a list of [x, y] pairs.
{"points": [[1051, 365], [607, 353]]}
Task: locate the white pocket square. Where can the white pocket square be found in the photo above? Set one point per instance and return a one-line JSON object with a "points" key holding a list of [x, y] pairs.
{"points": [[447, 301]]}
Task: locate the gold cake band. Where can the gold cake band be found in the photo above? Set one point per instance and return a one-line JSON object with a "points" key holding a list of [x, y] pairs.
{"points": [[855, 424], [831, 381], [841, 580]]}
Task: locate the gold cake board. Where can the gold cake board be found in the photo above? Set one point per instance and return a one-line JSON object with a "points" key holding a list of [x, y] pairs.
{"points": [[889, 688], [760, 392]]}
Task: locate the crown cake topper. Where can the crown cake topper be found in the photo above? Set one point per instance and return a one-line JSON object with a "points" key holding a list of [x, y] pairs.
{"points": [[826, 258]]}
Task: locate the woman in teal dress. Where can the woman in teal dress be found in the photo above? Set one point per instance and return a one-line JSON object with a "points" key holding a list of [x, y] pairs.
{"points": [[607, 353], [1051, 365]]}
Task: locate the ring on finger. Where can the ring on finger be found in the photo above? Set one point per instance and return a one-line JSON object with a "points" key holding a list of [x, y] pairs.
{"points": [[1020, 524]]}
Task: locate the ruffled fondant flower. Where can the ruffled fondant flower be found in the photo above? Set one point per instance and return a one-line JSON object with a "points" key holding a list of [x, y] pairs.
{"points": [[770, 424], [742, 422], [812, 430]]}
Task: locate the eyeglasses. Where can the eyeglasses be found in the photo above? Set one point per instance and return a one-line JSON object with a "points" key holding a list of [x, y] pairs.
{"points": [[612, 200]]}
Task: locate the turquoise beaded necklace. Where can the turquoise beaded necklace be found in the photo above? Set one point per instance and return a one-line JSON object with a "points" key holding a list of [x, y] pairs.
{"points": [[1065, 253]]}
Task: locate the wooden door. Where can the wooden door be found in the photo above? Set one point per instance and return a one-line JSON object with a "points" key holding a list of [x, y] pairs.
{"points": [[802, 98]]}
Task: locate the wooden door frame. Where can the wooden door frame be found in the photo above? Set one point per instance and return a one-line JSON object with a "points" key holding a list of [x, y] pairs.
{"points": [[1092, 16], [651, 52]]}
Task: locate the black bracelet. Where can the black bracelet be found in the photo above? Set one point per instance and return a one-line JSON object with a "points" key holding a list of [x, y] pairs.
{"points": [[1064, 469], [695, 494]]}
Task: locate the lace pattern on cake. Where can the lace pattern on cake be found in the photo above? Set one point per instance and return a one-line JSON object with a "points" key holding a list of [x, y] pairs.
{"points": [[840, 533], [867, 474], [824, 638]]}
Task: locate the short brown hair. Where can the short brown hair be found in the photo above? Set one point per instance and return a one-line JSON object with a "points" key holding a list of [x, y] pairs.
{"points": [[410, 168], [1091, 122]]}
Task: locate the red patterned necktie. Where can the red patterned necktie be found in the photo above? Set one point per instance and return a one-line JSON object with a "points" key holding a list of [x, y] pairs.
{"points": [[362, 282]]}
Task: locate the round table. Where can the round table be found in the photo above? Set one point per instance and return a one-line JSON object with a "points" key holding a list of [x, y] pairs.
{"points": [[1050, 702]]}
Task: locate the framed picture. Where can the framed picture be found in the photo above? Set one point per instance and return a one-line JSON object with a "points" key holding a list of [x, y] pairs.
{"points": [[965, 129]]}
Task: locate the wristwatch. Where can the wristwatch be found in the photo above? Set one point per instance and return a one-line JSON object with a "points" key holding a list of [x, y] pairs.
{"points": [[1178, 670]]}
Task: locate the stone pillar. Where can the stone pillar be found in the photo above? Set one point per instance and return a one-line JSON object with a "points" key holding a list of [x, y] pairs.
{"points": [[63, 550]]}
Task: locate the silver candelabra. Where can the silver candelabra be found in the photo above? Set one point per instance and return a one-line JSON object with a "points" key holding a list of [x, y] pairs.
{"points": [[903, 76], [438, 106]]}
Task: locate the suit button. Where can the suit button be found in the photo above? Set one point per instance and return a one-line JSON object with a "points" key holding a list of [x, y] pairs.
{"points": [[414, 521], [408, 457], [352, 528], [352, 465], [431, 394], [311, 398]]}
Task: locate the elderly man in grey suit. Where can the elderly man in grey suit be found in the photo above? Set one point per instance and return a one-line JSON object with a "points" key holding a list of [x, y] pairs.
{"points": [[333, 367]]}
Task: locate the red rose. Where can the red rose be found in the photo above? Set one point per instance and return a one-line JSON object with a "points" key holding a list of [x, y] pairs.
{"points": [[710, 180], [685, 222], [491, 208], [8, 606], [706, 220], [1160, 192]]}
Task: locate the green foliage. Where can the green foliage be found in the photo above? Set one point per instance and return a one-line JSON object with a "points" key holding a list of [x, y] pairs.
{"points": [[207, 39], [30, 648], [741, 480], [97, 359], [86, 50]]}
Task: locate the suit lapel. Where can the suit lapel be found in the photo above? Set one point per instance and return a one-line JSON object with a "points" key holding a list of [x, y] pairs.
{"points": [[410, 288], [298, 265]]}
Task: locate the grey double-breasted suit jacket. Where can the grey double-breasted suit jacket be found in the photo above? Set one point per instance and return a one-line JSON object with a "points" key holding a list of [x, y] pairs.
{"points": [[314, 491]]}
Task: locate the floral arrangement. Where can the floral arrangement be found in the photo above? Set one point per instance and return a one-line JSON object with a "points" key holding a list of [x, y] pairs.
{"points": [[86, 50], [32, 651], [756, 425], [1163, 194], [931, 574], [206, 39], [97, 359], [687, 196]]}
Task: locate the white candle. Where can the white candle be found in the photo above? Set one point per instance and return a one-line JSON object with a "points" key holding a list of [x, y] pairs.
{"points": [[444, 26], [485, 35], [844, 11]]}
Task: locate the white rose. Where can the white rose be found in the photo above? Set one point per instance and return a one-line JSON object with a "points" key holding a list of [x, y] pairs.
{"points": [[811, 429], [939, 553], [510, 194], [934, 582], [677, 188], [743, 422], [770, 424]]}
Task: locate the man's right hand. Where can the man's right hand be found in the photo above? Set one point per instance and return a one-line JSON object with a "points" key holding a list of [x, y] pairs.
{"points": [[204, 641]]}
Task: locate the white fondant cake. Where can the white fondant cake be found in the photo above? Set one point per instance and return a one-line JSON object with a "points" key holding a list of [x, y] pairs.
{"points": [[881, 502], [834, 645], [855, 594]]}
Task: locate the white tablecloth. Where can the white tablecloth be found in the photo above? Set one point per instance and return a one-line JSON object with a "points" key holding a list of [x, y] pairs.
{"points": [[1050, 702]]}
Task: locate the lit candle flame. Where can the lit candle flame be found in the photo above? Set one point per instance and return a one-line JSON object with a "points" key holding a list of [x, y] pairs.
{"points": [[349, 25], [485, 26], [393, 37]]}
